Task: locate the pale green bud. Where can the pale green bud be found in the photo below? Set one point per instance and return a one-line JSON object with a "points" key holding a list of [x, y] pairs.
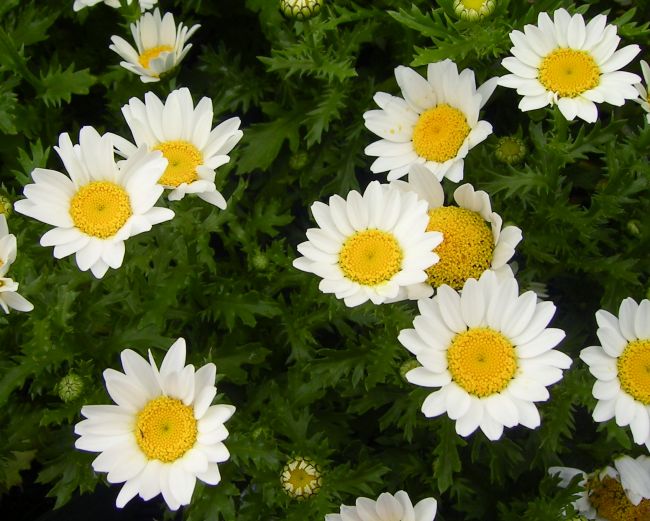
{"points": [[510, 150], [300, 9], [472, 10], [70, 387]]}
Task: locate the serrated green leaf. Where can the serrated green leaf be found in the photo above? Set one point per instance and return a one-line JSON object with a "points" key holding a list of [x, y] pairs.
{"points": [[59, 85]]}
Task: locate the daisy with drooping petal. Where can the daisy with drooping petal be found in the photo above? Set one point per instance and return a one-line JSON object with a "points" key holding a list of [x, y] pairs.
{"points": [[160, 45], [612, 494], [435, 124], [566, 63], [80, 4], [100, 205], [387, 507], [9, 296], [489, 351], [162, 434], [644, 92], [185, 136], [622, 385], [473, 240], [370, 247], [300, 478]]}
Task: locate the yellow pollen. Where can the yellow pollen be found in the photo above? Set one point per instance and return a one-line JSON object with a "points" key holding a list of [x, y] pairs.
{"points": [[165, 429], [100, 208], [481, 361], [569, 72], [439, 133], [608, 498], [634, 370], [152, 53], [466, 248], [182, 158], [371, 257]]}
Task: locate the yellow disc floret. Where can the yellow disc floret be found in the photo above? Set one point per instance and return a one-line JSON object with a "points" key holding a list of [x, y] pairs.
{"points": [[165, 429], [634, 370], [439, 133], [152, 53], [611, 503], [569, 72], [371, 257], [481, 361], [182, 158], [466, 249], [100, 208]]}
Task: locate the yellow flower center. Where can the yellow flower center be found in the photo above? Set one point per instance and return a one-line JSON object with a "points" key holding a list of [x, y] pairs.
{"points": [[569, 72], [371, 257], [609, 499], [466, 248], [182, 160], [439, 133], [634, 370], [300, 478], [481, 361], [165, 429], [100, 208], [150, 54]]}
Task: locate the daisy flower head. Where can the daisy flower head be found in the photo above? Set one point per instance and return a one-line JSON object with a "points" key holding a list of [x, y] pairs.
{"points": [[568, 63], [489, 351], [160, 45], [435, 123], [620, 493], [370, 247], [644, 90], [162, 433], [115, 4], [9, 296], [473, 237], [622, 385], [184, 135], [100, 205], [387, 507]]}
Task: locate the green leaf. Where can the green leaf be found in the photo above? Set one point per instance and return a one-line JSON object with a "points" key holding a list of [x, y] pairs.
{"points": [[12, 466], [447, 460], [59, 85]]}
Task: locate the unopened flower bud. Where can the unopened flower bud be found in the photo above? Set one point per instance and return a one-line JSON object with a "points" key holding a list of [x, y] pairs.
{"points": [[407, 366], [70, 387], [510, 150], [472, 10], [300, 9]]}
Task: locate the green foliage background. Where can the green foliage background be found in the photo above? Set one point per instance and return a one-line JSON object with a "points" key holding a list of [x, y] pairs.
{"points": [[309, 376]]}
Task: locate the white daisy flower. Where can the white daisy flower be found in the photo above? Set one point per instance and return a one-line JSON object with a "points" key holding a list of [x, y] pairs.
{"points": [[163, 433], [644, 93], [183, 134], [387, 508], [160, 45], [565, 62], [9, 296], [489, 351], [435, 124], [100, 205], [622, 385], [622, 492], [473, 240], [370, 247], [80, 4]]}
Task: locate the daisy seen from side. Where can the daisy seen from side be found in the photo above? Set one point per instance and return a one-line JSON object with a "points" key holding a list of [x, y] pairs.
{"points": [[162, 434], [490, 353], [435, 123], [568, 63], [370, 247], [159, 45], [9, 296], [184, 135], [387, 507], [622, 385], [100, 205], [474, 239], [644, 90], [115, 4]]}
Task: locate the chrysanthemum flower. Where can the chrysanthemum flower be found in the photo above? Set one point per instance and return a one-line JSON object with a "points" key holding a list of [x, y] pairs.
{"points": [[100, 205], [612, 494], [160, 45], [644, 92], [565, 62], [489, 351], [387, 508], [183, 134], [473, 240], [435, 124], [622, 385], [300, 478], [163, 433], [371, 247], [9, 296], [80, 4]]}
